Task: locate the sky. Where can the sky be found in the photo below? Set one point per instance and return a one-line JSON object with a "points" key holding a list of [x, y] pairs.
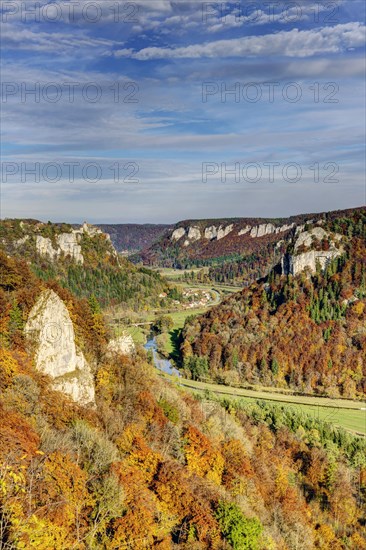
{"points": [[156, 111]]}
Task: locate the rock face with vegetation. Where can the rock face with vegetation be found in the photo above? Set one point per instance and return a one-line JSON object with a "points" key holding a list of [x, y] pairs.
{"points": [[53, 242], [82, 259], [50, 330], [236, 251], [312, 248], [66, 243]]}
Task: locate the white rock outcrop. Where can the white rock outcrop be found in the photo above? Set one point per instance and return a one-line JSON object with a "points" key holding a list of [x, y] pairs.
{"points": [[245, 230], [285, 227], [178, 234], [194, 234], [90, 230], [306, 238], [49, 328], [309, 259], [69, 245], [224, 231], [44, 248], [262, 230], [123, 344], [300, 228], [22, 241], [211, 232]]}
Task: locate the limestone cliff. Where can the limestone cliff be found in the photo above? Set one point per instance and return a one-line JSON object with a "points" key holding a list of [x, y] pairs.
{"points": [[211, 232], [54, 242], [218, 232], [309, 251], [178, 234], [44, 248], [262, 230], [224, 231], [244, 230], [194, 234], [66, 243], [268, 229], [50, 331]]}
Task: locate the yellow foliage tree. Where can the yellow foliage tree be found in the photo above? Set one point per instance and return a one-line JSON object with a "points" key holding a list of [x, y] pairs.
{"points": [[202, 458], [8, 367]]}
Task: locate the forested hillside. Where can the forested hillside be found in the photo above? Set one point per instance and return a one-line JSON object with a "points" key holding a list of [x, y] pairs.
{"points": [[83, 261], [151, 466], [132, 237], [306, 332], [237, 250]]}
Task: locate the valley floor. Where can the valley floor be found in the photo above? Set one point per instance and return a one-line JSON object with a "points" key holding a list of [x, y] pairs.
{"points": [[345, 413]]}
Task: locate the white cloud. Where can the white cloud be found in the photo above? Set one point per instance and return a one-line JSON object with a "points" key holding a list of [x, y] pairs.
{"points": [[18, 38], [252, 15], [294, 43]]}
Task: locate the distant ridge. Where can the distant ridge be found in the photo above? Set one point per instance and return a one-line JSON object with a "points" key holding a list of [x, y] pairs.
{"points": [[236, 250], [133, 237]]}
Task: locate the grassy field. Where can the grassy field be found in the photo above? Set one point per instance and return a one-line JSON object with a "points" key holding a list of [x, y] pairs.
{"points": [[138, 334], [173, 274], [340, 412], [179, 317]]}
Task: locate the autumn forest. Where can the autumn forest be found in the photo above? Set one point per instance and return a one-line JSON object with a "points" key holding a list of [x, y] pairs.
{"points": [[151, 464]]}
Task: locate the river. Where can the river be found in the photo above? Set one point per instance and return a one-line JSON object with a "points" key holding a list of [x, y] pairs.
{"points": [[160, 363]]}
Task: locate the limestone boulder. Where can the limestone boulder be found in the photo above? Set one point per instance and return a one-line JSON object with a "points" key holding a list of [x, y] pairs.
{"points": [[123, 344]]}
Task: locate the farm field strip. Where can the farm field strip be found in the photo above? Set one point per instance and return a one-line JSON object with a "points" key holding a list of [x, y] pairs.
{"points": [[344, 413], [273, 396]]}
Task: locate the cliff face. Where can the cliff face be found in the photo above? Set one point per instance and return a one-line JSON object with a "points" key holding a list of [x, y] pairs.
{"points": [[54, 242], [218, 232], [67, 243], [305, 256], [49, 329]]}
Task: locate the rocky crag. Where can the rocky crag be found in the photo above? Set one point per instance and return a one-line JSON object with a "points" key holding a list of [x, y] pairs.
{"points": [[313, 248], [50, 332]]}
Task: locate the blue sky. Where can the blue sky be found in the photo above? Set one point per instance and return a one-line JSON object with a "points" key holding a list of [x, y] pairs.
{"points": [[156, 111]]}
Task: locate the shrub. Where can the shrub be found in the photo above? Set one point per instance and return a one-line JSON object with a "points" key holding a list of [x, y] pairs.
{"points": [[169, 410], [97, 452]]}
